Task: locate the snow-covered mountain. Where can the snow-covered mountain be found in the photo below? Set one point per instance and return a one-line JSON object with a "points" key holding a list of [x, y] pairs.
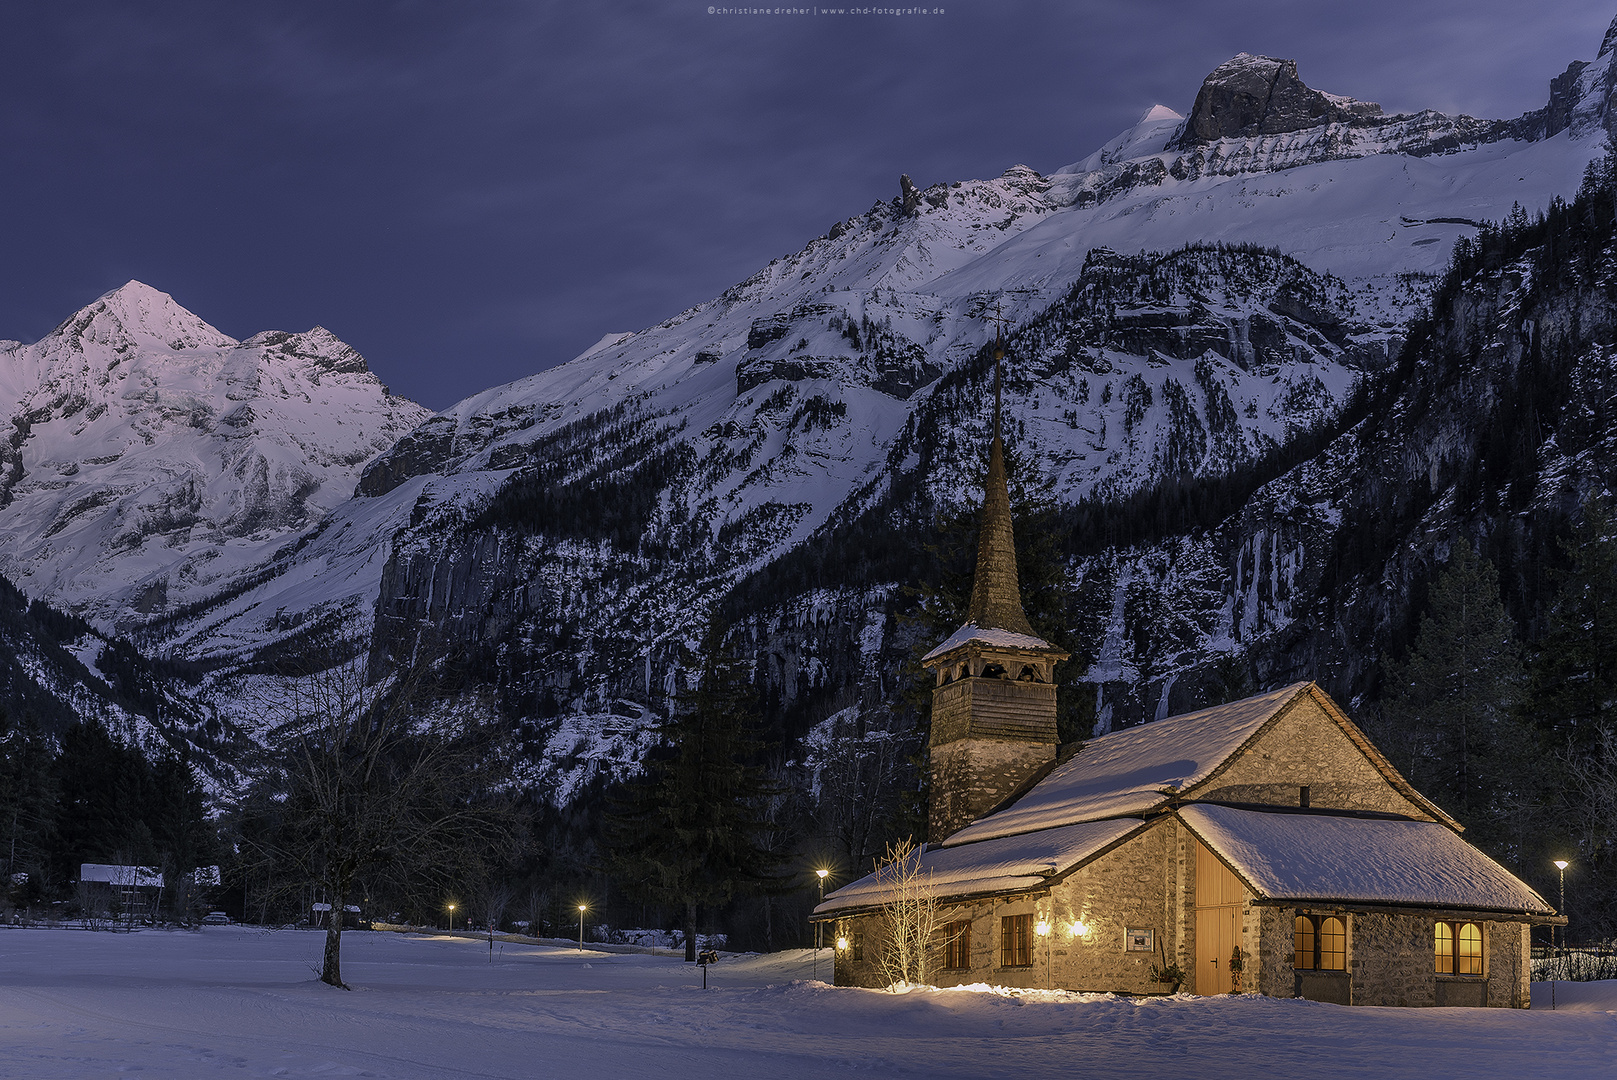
{"points": [[1180, 302], [154, 461]]}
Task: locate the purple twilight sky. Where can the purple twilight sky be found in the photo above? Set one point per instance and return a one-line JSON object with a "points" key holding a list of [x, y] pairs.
{"points": [[471, 192]]}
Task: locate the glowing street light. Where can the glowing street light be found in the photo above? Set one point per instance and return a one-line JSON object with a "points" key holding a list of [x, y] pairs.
{"points": [[1561, 865], [819, 928], [581, 910], [451, 918]]}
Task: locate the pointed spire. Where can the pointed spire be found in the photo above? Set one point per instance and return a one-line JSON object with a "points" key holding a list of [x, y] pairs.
{"points": [[996, 595]]}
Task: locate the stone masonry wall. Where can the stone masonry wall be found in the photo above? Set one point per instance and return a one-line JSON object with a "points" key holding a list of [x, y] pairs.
{"points": [[972, 776], [1392, 960], [1305, 747]]}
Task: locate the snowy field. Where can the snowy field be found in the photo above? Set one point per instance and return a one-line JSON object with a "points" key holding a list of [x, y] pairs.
{"points": [[237, 1002]]}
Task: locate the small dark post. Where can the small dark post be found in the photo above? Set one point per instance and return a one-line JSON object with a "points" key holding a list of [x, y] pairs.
{"points": [[1302, 796]]}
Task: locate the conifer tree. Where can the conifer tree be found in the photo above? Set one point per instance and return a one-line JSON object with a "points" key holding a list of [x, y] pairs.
{"points": [[688, 833], [1574, 683], [27, 804], [1449, 720]]}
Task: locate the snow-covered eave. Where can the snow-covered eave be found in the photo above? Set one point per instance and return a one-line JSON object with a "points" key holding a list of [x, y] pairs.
{"points": [[1354, 905], [991, 886], [992, 637]]}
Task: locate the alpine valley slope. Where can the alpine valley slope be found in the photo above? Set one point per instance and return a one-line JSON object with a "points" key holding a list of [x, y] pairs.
{"points": [[570, 532]]}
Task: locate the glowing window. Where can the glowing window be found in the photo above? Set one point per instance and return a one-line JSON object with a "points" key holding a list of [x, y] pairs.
{"points": [[1332, 944], [1016, 941], [1302, 943], [1445, 948], [1459, 948], [1468, 958]]}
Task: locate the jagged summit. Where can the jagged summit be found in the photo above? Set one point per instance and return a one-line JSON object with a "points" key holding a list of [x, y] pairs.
{"points": [[136, 313], [1260, 95]]}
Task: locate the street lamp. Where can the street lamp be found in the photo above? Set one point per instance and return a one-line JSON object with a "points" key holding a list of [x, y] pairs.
{"points": [[581, 909], [819, 929], [1560, 866], [1042, 928], [451, 918]]}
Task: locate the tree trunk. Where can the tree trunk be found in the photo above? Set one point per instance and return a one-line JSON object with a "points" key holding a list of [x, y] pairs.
{"points": [[331, 967], [690, 932]]}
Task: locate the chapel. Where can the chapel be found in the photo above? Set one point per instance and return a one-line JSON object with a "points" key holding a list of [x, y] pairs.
{"points": [[1263, 845]]}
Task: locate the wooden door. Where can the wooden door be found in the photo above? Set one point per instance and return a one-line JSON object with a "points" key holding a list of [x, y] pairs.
{"points": [[1219, 898], [1217, 931]]}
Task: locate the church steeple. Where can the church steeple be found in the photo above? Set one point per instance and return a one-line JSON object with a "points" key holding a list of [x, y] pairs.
{"points": [[994, 706], [996, 595]]}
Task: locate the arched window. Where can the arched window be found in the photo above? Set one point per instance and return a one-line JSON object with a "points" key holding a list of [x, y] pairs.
{"points": [[1458, 947], [1319, 943], [1444, 945], [1332, 944]]}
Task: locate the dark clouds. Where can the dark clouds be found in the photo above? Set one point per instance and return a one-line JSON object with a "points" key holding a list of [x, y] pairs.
{"points": [[471, 192]]}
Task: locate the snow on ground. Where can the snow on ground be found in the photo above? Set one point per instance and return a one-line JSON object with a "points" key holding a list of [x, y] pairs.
{"points": [[234, 1001]]}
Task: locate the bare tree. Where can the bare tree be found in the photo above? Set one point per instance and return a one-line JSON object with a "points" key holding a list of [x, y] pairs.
{"points": [[489, 901], [372, 782], [909, 915]]}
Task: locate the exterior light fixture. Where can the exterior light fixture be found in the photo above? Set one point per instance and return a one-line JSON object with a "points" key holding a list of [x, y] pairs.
{"points": [[1080, 929], [1042, 929], [819, 928], [451, 918], [842, 944], [581, 909]]}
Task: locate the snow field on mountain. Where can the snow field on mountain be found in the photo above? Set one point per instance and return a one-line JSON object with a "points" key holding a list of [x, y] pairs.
{"points": [[234, 1001]]}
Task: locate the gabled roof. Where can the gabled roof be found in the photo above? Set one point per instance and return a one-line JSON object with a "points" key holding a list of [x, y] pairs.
{"points": [[1326, 858], [1135, 770], [1146, 768], [993, 867]]}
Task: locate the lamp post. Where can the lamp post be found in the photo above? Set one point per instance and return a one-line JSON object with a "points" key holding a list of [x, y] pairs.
{"points": [[819, 929], [1043, 930], [451, 918], [1560, 866], [581, 909]]}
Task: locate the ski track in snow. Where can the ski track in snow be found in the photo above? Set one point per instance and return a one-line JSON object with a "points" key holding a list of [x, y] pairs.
{"points": [[234, 1001]]}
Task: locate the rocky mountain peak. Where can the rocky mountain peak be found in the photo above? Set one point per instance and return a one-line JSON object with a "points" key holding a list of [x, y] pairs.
{"points": [[1609, 42], [135, 314], [1260, 95]]}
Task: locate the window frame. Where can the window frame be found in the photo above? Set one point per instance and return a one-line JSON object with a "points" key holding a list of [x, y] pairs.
{"points": [[957, 945], [1316, 937], [1015, 941], [1456, 938], [857, 948]]}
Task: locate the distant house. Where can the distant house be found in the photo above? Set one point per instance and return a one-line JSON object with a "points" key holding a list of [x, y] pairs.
{"points": [[127, 891], [320, 915], [1266, 835]]}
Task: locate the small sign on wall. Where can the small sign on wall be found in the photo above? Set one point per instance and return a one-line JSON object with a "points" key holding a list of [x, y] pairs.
{"points": [[1139, 940]]}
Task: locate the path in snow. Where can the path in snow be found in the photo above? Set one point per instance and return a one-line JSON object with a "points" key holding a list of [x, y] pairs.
{"points": [[238, 1002]]}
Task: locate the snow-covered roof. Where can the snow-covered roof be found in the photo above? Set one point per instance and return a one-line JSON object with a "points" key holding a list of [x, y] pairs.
{"points": [[994, 866], [113, 874], [1319, 857], [1132, 771], [1004, 639]]}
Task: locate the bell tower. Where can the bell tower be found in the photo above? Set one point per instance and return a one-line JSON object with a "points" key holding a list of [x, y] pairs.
{"points": [[994, 705]]}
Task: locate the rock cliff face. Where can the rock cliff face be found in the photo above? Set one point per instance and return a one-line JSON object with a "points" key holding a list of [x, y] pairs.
{"points": [[1258, 95]]}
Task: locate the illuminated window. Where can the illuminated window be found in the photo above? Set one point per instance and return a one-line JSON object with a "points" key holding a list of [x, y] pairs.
{"points": [[1016, 941], [1302, 943], [957, 945], [1332, 944], [1319, 943], [859, 946], [1459, 948]]}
